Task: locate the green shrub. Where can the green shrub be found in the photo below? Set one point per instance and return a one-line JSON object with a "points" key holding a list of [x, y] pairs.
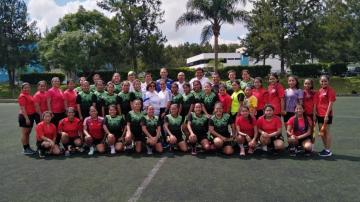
{"points": [[307, 70], [34, 78], [336, 69]]}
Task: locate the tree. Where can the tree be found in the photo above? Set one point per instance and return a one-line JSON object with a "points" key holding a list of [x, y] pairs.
{"points": [[78, 42], [216, 12], [137, 22], [17, 37]]}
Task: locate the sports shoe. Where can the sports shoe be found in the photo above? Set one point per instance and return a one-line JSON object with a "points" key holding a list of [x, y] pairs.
{"points": [[67, 153], [28, 151], [92, 150], [292, 151], [193, 151], [325, 153], [242, 151], [149, 150], [112, 150], [264, 148], [129, 147], [41, 154]]}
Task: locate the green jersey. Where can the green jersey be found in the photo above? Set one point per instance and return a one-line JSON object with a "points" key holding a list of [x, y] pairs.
{"points": [[198, 96], [136, 95], [123, 99], [99, 96], [151, 124], [209, 102], [115, 125], [107, 100], [174, 124], [221, 125], [199, 124], [85, 100], [188, 100], [117, 88], [134, 118], [78, 89], [177, 99], [92, 88]]}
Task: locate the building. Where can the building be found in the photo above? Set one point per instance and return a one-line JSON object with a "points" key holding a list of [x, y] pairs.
{"points": [[227, 59]]}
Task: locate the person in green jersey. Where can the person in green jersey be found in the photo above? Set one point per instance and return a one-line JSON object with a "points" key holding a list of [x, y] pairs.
{"points": [[137, 93], [84, 100], [99, 92], [219, 128], [81, 81], [197, 91], [237, 99], [123, 98], [95, 78], [116, 79], [108, 99], [115, 129], [176, 97], [197, 123], [133, 119], [150, 125], [187, 106], [209, 100], [246, 79], [172, 126]]}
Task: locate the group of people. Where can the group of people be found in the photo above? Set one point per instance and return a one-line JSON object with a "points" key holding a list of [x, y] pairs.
{"points": [[165, 114]]}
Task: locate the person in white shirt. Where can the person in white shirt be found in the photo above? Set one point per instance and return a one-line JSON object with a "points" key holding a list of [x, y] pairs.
{"points": [[165, 98], [180, 82], [199, 75], [147, 81], [131, 79], [152, 98]]}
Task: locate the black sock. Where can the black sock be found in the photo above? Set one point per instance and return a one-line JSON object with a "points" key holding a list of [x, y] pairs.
{"points": [[26, 146]]}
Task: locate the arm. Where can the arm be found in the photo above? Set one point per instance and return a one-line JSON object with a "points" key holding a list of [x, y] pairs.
{"points": [[49, 103], [282, 103], [166, 128], [190, 128], [214, 133], [80, 113], [23, 111]]}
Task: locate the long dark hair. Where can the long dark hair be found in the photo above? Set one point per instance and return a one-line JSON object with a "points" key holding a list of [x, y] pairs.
{"points": [[296, 121], [249, 116]]}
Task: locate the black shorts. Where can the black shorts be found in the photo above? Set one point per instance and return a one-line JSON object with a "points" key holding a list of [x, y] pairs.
{"points": [[39, 146], [228, 143], [300, 141], [321, 119], [32, 117], [259, 113], [139, 137], [72, 140], [233, 118], [98, 141], [287, 116], [279, 137], [57, 118], [179, 137], [201, 137]]}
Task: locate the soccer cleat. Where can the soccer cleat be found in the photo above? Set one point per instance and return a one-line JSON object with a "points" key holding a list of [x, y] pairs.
{"points": [[41, 154], [28, 151], [112, 150], [193, 151], [325, 153], [67, 153], [264, 148], [149, 150], [292, 151], [92, 150]]}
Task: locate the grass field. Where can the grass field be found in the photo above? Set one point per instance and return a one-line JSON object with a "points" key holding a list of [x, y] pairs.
{"points": [[184, 177]]}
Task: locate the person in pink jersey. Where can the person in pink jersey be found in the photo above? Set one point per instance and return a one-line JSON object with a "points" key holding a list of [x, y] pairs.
{"points": [[40, 98]]}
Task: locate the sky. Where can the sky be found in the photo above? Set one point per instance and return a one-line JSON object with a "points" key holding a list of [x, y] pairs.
{"points": [[48, 12]]}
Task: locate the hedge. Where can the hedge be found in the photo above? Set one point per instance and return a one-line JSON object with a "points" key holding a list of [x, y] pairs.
{"points": [[34, 78], [336, 69], [254, 70], [308, 70]]}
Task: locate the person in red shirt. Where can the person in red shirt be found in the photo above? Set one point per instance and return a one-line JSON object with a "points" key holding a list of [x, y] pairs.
{"points": [[276, 95], [70, 96], [27, 117], [224, 98], [299, 131], [262, 96], [46, 136], [40, 98], [325, 99], [269, 127], [71, 130], [56, 101], [94, 132], [247, 131]]}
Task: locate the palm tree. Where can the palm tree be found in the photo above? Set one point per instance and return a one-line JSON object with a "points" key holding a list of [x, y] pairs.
{"points": [[217, 12]]}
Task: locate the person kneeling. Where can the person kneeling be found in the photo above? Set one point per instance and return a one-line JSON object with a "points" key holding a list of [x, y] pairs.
{"points": [[46, 136], [94, 133], [247, 131], [150, 125]]}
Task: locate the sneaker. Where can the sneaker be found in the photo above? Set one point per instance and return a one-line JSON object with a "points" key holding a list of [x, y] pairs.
{"points": [[264, 148], [165, 145], [41, 154], [112, 150], [149, 150], [193, 151], [92, 150], [242, 152], [250, 150], [81, 149], [28, 151], [67, 153], [129, 147], [292, 151], [325, 153]]}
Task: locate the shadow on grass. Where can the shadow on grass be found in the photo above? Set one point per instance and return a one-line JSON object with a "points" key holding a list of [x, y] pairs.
{"points": [[258, 155]]}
